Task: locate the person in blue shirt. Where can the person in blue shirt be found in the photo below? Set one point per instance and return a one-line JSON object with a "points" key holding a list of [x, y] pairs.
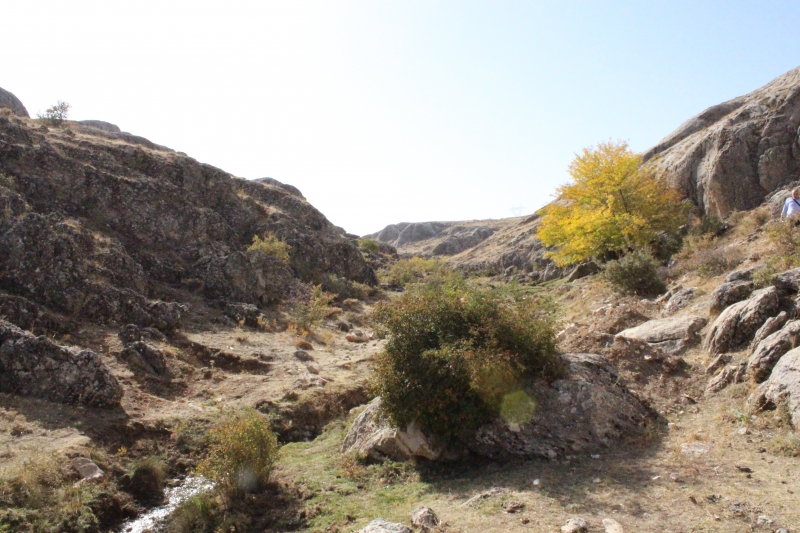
{"points": [[791, 207]]}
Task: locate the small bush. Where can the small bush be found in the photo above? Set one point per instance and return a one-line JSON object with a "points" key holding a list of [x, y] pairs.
{"points": [[710, 225], [785, 444], [7, 181], [370, 245], [456, 353], [56, 114], [635, 273], [309, 314], [146, 481], [241, 452], [785, 237], [704, 256], [406, 271], [271, 245]]}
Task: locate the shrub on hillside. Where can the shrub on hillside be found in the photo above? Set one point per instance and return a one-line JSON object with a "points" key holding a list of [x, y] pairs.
{"points": [[635, 273], [241, 451], [271, 245], [407, 271], [310, 313], [55, 115], [370, 245], [706, 256], [456, 352]]}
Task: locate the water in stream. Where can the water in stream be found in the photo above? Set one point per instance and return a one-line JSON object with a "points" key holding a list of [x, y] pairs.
{"points": [[176, 495]]}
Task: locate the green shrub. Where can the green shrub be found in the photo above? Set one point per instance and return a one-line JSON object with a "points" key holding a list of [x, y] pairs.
{"points": [[241, 451], [309, 314], [271, 245], [455, 354], [7, 181], [635, 273], [370, 245], [146, 481], [56, 114], [406, 271]]}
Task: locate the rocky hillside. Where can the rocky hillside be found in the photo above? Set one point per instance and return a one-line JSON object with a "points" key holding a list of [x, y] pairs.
{"points": [[732, 155], [486, 246], [101, 225]]}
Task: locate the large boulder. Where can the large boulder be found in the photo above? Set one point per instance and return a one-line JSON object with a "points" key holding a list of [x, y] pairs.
{"points": [[771, 349], [678, 300], [730, 156], [771, 325], [13, 103], [737, 324], [372, 436], [783, 385], [672, 336], [788, 281], [588, 410], [35, 366], [730, 292]]}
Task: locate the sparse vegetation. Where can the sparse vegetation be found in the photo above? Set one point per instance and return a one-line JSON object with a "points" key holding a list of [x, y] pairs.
{"points": [[614, 205], [309, 314], [635, 273], [370, 245], [455, 352], [7, 181], [707, 257], [271, 245], [55, 115], [241, 452], [406, 271]]}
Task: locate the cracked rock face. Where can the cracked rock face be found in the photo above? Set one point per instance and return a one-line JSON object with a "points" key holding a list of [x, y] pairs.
{"points": [[35, 366], [783, 385], [11, 102], [737, 324], [94, 223], [771, 349], [732, 155]]}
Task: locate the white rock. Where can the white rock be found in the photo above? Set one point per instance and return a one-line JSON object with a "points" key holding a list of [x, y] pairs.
{"points": [[694, 449], [379, 525], [612, 526], [425, 518], [86, 468]]}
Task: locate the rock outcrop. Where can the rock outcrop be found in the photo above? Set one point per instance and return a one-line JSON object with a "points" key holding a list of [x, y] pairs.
{"points": [[783, 385], [35, 366], [737, 324], [672, 336], [730, 292], [771, 349], [586, 411], [100, 225], [8, 100], [732, 155], [372, 436]]}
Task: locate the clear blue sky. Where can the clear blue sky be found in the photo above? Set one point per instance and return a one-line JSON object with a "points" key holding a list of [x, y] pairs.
{"points": [[383, 112]]}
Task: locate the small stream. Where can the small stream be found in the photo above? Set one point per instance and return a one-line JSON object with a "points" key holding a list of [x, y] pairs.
{"points": [[189, 487]]}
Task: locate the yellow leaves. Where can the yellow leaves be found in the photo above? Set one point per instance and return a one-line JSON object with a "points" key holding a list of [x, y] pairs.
{"points": [[613, 205]]}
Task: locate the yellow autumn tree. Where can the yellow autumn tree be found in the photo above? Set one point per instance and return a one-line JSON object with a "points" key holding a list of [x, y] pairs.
{"points": [[613, 205]]}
